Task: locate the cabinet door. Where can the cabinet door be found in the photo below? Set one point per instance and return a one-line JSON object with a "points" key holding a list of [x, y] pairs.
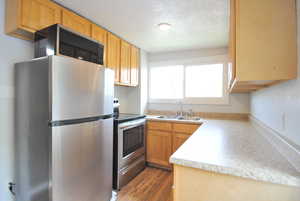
{"points": [[125, 63], [76, 22], [113, 54], [135, 64], [163, 126], [100, 35], [232, 45], [179, 139], [159, 147], [266, 40], [185, 128], [38, 14]]}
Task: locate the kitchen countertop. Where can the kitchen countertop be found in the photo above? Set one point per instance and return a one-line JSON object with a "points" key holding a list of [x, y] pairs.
{"points": [[235, 148]]}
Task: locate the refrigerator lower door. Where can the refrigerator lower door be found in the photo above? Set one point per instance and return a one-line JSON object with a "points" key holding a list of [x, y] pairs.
{"points": [[82, 161], [79, 89]]}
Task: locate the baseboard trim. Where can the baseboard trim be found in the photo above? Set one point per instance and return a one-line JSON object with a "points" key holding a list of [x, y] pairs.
{"points": [[148, 164]]}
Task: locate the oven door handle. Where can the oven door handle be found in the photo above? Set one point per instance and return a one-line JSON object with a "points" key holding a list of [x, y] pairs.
{"points": [[129, 125]]}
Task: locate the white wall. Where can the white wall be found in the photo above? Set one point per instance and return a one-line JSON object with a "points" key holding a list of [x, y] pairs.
{"points": [[238, 103], [144, 82], [184, 56], [128, 98], [279, 106], [134, 99], [11, 50]]}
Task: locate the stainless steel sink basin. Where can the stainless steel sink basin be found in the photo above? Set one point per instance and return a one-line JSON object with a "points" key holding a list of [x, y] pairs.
{"points": [[184, 118], [166, 117]]}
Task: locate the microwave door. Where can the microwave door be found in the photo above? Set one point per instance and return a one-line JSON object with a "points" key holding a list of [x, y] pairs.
{"points": [[59, 40]]}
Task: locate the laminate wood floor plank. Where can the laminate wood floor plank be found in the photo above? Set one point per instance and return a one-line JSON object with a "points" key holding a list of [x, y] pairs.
{"points": [[150, 185]]}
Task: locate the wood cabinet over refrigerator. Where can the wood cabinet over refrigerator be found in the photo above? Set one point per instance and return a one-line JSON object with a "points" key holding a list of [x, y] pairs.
{"points": [[24, 17], [76, 22], [263, 43]]}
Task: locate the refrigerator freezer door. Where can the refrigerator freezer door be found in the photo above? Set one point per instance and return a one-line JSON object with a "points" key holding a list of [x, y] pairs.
{"points": [[79, 89], [82, 161]]}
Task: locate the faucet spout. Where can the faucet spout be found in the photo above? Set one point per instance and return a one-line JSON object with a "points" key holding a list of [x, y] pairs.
{"points": [[180, 112]]}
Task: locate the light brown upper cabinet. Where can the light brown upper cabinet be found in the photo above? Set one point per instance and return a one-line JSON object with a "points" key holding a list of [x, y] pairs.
{"points": [[125, 63], [263, 43], [76, 22], [113, 54], [24, 17], [135, 65], [100, 35]]}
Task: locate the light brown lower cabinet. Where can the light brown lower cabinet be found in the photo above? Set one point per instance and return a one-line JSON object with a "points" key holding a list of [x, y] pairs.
{"points": [[179, 139], [164, 138], [159, 147]]}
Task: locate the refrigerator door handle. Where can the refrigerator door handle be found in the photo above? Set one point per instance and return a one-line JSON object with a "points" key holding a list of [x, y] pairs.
{"points": [[79, 121]]}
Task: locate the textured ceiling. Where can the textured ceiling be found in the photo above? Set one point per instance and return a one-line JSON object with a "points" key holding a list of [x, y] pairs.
{"points": [[195, 23]]}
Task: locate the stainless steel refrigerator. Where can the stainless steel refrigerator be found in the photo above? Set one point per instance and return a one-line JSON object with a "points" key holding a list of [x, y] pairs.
{"points": [[64, 130]]}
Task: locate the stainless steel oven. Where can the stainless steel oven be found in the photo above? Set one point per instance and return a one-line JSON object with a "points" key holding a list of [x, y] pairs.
{"points": [[130, 151], [131, 141]]}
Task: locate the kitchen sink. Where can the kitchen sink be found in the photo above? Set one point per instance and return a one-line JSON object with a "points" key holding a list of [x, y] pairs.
{"points": [[166, 117], [184, 118]]}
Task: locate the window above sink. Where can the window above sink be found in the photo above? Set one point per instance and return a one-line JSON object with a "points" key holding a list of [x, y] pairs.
{"points": [[189, 84]]}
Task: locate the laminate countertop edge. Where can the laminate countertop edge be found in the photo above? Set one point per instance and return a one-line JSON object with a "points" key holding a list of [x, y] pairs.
{"points": [[156, 119], [235, 148]]}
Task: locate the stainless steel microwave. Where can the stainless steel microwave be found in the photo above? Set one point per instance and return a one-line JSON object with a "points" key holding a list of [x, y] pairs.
{"points": [[59, 40]]}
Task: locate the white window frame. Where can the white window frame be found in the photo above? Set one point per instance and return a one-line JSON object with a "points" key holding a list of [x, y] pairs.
{"points": [[194, 101]]}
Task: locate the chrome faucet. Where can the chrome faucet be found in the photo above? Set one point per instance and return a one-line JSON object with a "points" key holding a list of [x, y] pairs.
{"points": [[180, 112], [190, 113]]}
